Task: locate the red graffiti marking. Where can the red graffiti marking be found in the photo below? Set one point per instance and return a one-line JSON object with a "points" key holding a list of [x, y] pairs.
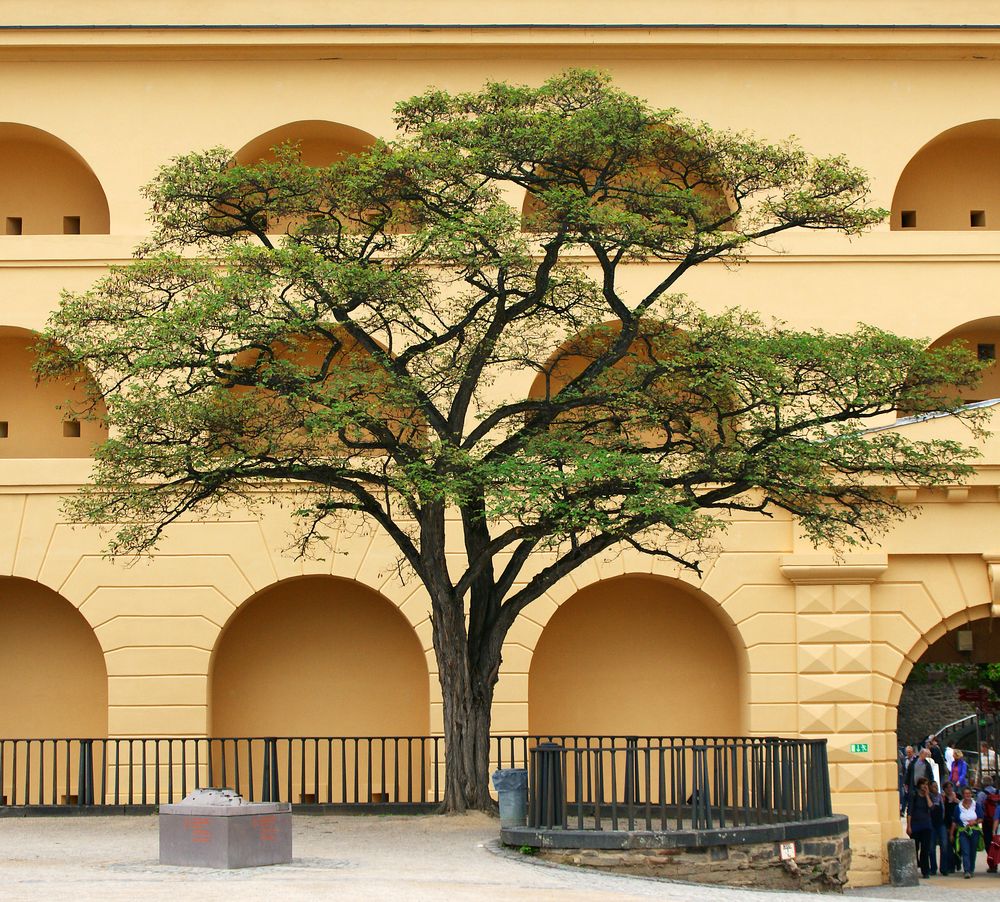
{"points": [[267, 827], [199, 828]]}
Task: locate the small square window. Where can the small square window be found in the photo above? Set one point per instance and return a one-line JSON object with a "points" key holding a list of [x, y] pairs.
{"points": [[71, 428], [4, 429], [13, 226], [908, 219], [71, 225], [977, 219], [986, 351]]}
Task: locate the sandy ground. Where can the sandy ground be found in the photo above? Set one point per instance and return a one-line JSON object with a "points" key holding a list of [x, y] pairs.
{"points": [[369, 858]]}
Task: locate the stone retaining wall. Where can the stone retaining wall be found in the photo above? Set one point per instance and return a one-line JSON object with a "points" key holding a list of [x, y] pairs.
{"points": [[748, 856], [820, 865]]}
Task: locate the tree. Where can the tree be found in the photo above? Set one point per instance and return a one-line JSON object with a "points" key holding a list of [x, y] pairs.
{"points": [[355, 332]]}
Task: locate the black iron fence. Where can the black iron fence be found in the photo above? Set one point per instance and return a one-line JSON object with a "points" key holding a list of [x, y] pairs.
{"points": [[691, 783], [707, 781]]}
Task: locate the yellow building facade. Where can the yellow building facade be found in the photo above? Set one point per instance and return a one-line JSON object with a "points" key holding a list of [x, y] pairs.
{"points": [[222, 633]]}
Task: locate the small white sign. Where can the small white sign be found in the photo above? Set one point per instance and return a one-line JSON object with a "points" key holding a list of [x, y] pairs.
{"points": [[787, 850]]}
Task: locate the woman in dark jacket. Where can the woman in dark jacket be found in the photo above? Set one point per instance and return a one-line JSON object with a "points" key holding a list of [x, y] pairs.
{"points": [[948, 857], [919, 826]]}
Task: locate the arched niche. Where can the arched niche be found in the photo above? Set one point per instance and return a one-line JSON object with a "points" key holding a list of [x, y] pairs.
{"points": [[37, 418], [46, 187], [637, 655], [319, 656], [953, 182], [698, 198], [320, 142], [655, 345], [981, 337], [338, 369], [53, 680]]}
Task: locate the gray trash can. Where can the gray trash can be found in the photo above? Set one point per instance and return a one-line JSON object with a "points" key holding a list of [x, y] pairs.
{"points": [[511, 785], [217, 828]]}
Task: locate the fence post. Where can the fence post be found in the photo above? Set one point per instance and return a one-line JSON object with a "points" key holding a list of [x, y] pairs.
{"points": [[548, 799], [271, 790], [85, 775]]}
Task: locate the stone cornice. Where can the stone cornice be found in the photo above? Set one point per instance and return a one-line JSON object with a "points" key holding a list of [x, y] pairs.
{"points": [[827, 569]]}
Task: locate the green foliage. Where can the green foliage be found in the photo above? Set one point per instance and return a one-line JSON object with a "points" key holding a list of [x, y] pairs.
{"points": [[362, 332]]}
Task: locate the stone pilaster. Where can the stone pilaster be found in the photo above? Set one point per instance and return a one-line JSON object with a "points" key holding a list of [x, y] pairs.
{"points": [[838, 697]]}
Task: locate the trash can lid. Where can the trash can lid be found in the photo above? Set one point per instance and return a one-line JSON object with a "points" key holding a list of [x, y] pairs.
{"points": [[511, 778]]}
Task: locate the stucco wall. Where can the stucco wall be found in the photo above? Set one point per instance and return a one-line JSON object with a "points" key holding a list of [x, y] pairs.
{"points": [[820, 646]]}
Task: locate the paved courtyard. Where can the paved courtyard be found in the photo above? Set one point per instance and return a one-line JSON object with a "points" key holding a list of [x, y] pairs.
{"points": [[370, 858]]}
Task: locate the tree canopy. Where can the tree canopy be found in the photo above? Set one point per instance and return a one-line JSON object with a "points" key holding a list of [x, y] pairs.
{"points": [[389, 338]]}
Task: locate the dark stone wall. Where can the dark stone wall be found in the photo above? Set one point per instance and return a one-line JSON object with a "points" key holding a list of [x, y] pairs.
{"points": [[925, 706]]}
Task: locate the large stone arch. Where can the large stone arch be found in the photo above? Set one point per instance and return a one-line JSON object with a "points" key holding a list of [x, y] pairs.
{"points": [[952, 182], [640, 654], [318, 656], [53, 680], [46, 187], [39, 419]]}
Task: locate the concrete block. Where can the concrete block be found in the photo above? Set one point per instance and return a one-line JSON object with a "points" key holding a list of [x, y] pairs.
{"points": [[215, 828]]}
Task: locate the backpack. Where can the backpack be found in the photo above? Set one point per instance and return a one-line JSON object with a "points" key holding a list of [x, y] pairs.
{"points": [[990, 805]]}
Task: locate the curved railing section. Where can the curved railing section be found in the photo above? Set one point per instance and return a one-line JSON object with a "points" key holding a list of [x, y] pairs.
{"points": [[678, 783]]}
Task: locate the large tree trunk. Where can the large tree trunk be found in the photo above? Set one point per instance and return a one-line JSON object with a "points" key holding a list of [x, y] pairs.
{"points": [[467, 691]]}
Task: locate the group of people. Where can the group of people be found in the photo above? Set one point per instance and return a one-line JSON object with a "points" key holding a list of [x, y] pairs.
{"points": [[952, 810]]}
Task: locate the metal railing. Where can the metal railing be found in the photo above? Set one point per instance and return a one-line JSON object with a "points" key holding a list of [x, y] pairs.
{"points": [[678, 783], [407, 772]]}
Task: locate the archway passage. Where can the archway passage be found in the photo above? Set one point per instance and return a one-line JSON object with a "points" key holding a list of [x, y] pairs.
{"points": [[636, 655], [324, 657], [931, 701], [46, 188], [38, 419], [953, 181], [53, 682]]}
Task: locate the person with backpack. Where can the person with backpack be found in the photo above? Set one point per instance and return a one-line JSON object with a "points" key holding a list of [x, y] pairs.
{"points": [[988, 801]]}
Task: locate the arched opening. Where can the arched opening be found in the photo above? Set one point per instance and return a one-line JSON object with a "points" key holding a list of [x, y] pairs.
{"points": [[320, 142], [953, 182], [319, 656], [652, 369], [53, 682], [931, 701], [676, 183], [41, 419], [637, 655], [329, 379], [982, 338], [46, 187]]}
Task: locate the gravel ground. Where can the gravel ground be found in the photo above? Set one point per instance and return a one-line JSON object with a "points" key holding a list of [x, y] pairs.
{"points": [[369, 858]]}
